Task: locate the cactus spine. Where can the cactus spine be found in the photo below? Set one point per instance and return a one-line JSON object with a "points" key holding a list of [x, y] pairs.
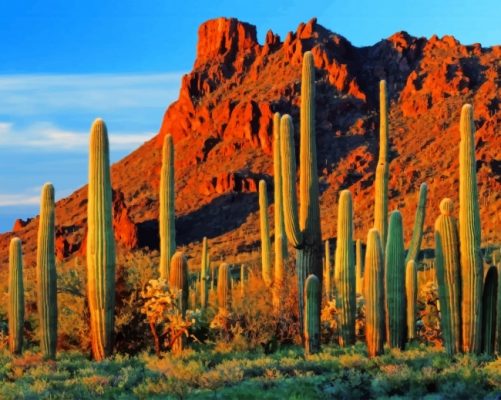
{"points": [[448, 276], [16, 297], [178, 278], [374, 294], [411, 290], [469, 236], [417, 232], [345, 267], [395, 282], [46, 274], [327, 271], [167, 208], [100, 244], [382, 169], [280, 237], [489, 300], [303, 229], [204, 275], [311, 310], [265, 234], [359, 268], [224, 287]]}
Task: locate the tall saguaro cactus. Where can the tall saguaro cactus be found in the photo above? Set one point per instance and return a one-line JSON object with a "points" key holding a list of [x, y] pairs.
{"points": [[265, 234], [382, 169], [469, 236], [395, 282], [100, 244], [280, 236], [345, 267], [204, 275], [448, 276], [224, 287], [312, 308], [411, 291], [167, 207], [417, 232], [303, 228], [16, 297], [46, 273], [374, 294]]}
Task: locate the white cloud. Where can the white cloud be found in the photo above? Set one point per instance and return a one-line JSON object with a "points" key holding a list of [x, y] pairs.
{"points": [[18, 200]]}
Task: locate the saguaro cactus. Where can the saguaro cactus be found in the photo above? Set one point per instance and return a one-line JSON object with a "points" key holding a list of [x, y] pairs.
{"points": [[178, 278], [395, 282], [359, 267], [469, 236], [280, 236], [100, 244], [204, 275], [411, 290], [498, 316], [327, 271], [167, 207], [265, 234], [374, 294], [448, 276], [417, 232], [224, 287], [382, 169], [46, 274], [16, 297], [303, 229], [489, 300], [345, 267], [311, 311]]}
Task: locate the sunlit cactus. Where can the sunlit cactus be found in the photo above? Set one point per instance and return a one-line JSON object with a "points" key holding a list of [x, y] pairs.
{"points": [[327, 271], [265, 234], [178, 278], [448, 276], [242, 280], [489, 304], [167, 207], [224, 287], [382, 169], [204, 275], [312, 315], [345, 267], [100, 244], [303, 228], [417, 233], [469, 236], [16, 297], [374, 294], [411, 290], [46, 273], [395, 282], [359, 267]]}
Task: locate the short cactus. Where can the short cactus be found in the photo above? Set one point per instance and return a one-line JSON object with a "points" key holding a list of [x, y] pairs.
{"points": [[16, 297], [224, 287], [46, 274], [417, 233], [345, 267], [100, 244], [167, 207], [411, 290], [311, 315], [395, 282], [265, 234], [374, 294], [178, 278]]}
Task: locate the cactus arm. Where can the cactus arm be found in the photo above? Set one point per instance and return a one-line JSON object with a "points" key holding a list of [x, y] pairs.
{"points": [[417, 232], [265, 234]]}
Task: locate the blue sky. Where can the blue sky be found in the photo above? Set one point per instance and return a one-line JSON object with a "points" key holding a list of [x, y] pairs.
{"points": [[65, 62]]}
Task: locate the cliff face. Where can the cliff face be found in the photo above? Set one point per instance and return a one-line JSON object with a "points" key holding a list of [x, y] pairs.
{"points": [[222, 121]]}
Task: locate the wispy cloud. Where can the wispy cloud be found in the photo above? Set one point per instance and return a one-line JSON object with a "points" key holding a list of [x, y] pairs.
{"points": [[18, 200]]}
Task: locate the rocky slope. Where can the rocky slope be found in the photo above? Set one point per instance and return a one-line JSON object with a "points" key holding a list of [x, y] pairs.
{"points": [[221, 126]]}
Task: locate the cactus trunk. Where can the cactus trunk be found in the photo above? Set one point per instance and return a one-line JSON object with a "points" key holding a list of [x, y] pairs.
{"points": [[265, 234], [178, 279], [417, 232], [374, 294], [167, 208], [16, 297], [448, 276], [100, 244], [411, 290], [312, 315], [46, 274], [345, 267], [327, 272], [395, 283], [489, 304], [204, 275], [224, 287], [359, 268], [469, 236]]}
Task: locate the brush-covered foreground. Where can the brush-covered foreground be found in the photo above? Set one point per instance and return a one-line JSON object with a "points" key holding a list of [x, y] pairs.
{"points": [[420, 372]]}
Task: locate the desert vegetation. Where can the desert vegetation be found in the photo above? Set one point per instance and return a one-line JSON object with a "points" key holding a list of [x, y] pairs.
{"points": [[375, 320]]}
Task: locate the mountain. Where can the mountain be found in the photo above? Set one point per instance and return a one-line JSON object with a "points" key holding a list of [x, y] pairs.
{"points": [[222, 120]]}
